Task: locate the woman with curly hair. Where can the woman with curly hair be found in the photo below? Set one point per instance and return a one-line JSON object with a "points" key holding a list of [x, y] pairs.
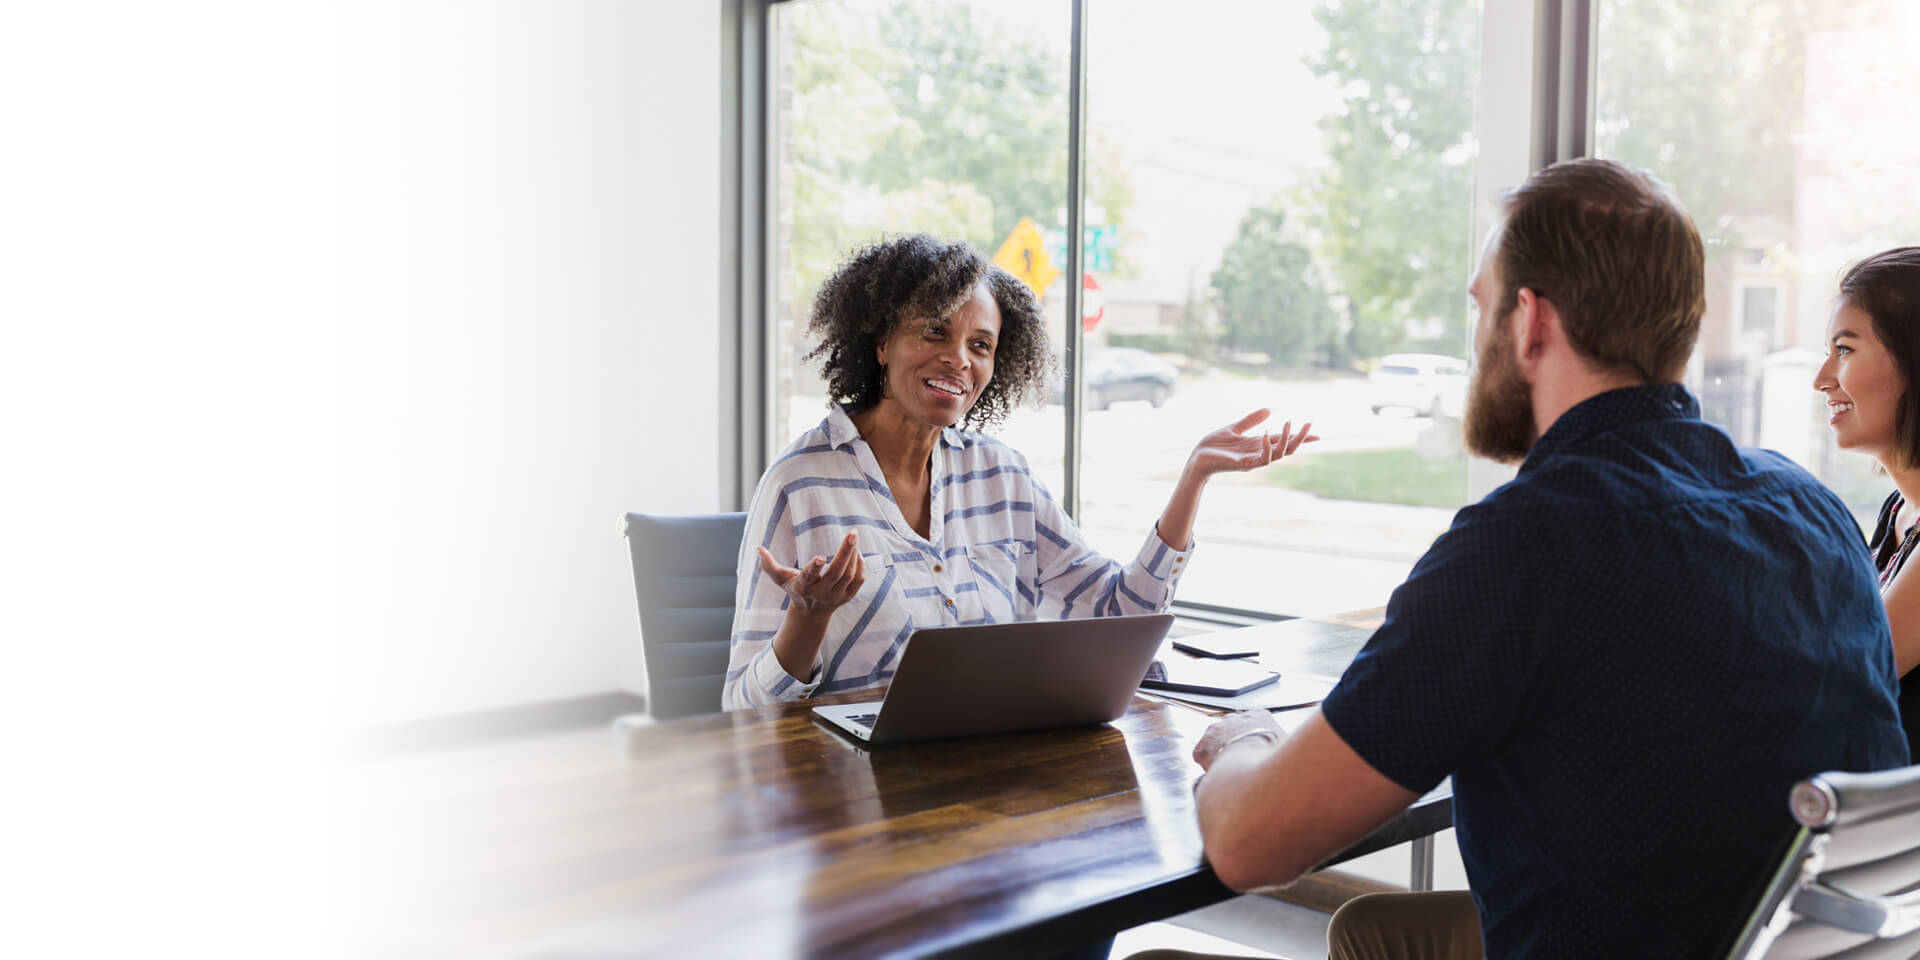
{"points": [[889, 516]]}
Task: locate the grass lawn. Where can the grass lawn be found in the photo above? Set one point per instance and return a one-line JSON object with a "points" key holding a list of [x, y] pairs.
{"points": [[1378, 476]]}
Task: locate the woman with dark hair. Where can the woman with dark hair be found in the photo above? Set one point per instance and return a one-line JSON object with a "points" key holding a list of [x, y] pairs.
{"points": [[889, 516], [1873, 359]]}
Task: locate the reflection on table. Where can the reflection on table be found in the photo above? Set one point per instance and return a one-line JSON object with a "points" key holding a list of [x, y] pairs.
{"points": [[767, 833]]}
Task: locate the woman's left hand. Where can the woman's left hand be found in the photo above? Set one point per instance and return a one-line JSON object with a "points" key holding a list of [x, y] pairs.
{"points": [[1232, 448]]}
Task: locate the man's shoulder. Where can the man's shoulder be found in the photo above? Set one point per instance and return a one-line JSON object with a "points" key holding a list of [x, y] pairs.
{"points": [[1732, 500], [1631, 471], [1777, 465]]}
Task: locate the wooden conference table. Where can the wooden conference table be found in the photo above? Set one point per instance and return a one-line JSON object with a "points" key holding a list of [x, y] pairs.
{"points": [[762, 834]]}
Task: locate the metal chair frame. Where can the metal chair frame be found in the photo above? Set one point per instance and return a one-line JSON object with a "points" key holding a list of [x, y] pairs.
{"points": [[1849, 885]]}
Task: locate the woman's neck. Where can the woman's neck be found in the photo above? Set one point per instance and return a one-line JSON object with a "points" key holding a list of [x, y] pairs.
{"points": [[901, 445], [1907, 481]]}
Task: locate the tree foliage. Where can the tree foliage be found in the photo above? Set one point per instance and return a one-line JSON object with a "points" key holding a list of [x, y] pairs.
{"points": [[915, 117], [1268, 293], [1392, 210], [1709, 98]]}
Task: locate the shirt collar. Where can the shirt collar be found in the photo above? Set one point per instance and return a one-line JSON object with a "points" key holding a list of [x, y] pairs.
{"points": [[841, 431], [1612, 409]]}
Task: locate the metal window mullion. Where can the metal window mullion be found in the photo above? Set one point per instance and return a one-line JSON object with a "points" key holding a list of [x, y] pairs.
{"points": [[745, 397], [1076, 230], [1535, 55], [1563, 81]]}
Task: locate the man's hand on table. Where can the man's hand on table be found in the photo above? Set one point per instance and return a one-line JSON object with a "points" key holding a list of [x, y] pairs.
{"points": [[1236, 730]]}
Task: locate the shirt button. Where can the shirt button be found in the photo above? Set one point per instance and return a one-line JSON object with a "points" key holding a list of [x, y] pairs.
{"points": [[949, 601], [937, 568]]}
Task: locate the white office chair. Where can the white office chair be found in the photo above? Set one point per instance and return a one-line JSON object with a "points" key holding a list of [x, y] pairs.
{"points": [[683, 576], [1849, 885]]}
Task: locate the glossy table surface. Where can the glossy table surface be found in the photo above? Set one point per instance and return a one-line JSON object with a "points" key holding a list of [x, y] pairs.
{"points": [[765, 833]]}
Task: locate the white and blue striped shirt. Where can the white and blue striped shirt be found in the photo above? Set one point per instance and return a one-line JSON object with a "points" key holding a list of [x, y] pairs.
{"points": [[1000, 549]]}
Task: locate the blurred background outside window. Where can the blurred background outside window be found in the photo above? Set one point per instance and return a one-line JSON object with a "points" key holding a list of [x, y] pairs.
{"points": [[1786, 127], [1288, 190], [910, 116], [1279, 209]]}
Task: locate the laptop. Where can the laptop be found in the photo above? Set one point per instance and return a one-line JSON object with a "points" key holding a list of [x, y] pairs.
{"points": [[1007, 677]]}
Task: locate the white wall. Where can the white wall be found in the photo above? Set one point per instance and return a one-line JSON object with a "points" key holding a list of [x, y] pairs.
{"points": [[337, 335], [529, 224]]}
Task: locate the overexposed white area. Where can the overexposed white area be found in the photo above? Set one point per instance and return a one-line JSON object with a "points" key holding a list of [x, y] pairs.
{"points": [[337, 338], [164, 372], [530, 231], [1216, 111]]}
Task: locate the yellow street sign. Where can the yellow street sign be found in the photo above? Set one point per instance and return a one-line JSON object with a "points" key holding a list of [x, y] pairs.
{"points": [[1024, 254]]}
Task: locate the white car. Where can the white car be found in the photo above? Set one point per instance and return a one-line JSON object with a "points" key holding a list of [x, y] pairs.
{"points": [[1428, 384]]}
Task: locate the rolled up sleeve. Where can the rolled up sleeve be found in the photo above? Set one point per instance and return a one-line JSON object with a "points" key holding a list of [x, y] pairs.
{"points": [[754, 675], [1075, 581], [765, 681]]}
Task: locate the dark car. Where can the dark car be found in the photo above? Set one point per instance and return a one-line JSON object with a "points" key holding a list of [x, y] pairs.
{"points": [[1123, 373]]}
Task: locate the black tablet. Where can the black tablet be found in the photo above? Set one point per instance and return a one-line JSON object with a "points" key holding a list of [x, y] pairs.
{"points": [[1219, 646], [1220, 678]]}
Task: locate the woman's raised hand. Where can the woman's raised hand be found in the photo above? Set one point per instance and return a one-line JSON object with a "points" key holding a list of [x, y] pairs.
{"points": [[821, 584], [1232, 448]]}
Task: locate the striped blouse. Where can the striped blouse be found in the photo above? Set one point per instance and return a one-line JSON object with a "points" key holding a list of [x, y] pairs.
{"points": [[1000, 549]]}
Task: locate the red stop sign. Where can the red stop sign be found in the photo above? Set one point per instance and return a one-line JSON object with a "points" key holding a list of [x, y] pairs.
{"points": [[1093, 303]]}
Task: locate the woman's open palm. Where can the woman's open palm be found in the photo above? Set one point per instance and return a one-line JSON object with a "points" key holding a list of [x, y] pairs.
{"points": [[1232, 448], [823, 583]]}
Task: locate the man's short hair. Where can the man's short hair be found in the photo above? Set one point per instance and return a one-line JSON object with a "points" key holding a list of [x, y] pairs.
{"points": [[1608, 245]]}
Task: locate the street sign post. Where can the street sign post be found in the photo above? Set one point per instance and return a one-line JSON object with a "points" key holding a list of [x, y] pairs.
{"points": [[1024, 254], [1098, 246], [1093, 303]]}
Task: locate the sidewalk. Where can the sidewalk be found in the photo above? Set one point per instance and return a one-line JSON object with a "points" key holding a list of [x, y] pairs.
{"points": [[1258, 515], [1274, 549]]}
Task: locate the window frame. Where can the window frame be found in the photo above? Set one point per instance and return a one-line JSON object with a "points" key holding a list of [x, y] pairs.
{"points": [[1535, 107]]}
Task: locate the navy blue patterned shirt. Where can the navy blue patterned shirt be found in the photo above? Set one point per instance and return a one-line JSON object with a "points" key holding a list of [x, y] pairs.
{"points": [[1625, 658]]}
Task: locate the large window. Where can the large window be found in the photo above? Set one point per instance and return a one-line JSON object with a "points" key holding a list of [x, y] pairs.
{"points": [[890, 117], [1287, 191], [1783, 127], [1280, 204], [1276, 215]]}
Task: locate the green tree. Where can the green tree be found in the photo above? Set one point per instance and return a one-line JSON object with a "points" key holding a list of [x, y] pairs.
{"points": [[972, 103], [1709, 97], [1191, 329], [1392, 210], [1269, 296], [924, 118]]}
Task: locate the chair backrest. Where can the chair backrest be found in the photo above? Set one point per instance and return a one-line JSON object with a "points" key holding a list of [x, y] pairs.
{"points": [[683, 575], [1850, 882]]}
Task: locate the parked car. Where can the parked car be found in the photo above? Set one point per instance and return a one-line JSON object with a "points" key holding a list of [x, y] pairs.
{"points": [[1114, 374], [1428, 384]]}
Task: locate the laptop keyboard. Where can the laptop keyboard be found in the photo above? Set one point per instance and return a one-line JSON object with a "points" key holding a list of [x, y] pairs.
{"points": [[863, 719]]}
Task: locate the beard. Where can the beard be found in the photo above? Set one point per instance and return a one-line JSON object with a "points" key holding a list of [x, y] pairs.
{"points": [[1500, 423]]}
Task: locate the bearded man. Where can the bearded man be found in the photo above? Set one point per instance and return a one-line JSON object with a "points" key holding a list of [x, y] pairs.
{"points": [[1624, 658]]}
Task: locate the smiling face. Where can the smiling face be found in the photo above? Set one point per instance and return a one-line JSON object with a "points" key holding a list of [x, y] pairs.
{"points": [[936, 368], [1862, 384]]}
